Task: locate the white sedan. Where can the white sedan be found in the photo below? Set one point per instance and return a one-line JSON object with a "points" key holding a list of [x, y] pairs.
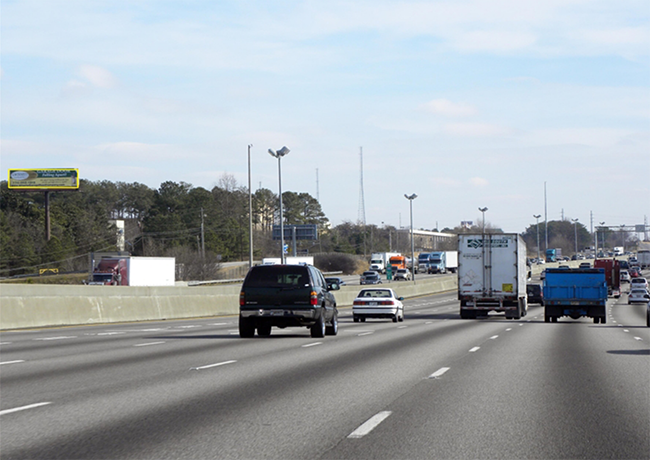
{"points": [[638, 295], [378, 303]]}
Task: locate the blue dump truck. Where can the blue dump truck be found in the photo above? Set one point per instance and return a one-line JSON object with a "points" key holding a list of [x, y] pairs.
{"points": [[576, 293]]}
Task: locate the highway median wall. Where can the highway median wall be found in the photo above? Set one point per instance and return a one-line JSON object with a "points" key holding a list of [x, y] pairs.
{"points": [[33, 306]]}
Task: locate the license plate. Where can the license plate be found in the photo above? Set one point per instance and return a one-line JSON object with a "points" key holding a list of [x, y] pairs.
{"points": [[372, 303], [277, 313]]}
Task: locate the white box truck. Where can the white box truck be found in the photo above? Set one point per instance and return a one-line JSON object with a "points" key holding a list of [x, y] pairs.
{"points": [[492, 275], [379, 260], [151, 271], [443, 262]]}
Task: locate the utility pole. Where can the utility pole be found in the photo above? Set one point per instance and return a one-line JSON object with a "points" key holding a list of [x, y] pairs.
{"points": [[545, 221], [202, 236]]}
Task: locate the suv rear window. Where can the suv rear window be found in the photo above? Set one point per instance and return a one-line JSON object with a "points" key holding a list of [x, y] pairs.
{"points": [[277, 275]]}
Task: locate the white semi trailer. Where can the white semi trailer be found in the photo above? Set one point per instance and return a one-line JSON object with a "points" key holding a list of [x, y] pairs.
{"points": [[492, 275]]}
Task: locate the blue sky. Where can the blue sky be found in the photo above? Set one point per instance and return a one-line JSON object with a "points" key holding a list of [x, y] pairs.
{"points": [[466, 103]]}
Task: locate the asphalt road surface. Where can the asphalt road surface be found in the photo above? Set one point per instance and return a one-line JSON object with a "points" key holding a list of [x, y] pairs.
{"points": [[434, 386]]}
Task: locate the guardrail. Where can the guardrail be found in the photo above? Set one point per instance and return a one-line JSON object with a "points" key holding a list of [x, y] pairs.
{"points": [[34, 306]]}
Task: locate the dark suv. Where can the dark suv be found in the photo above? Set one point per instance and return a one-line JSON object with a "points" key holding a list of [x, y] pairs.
{"points": [[287, 295]]}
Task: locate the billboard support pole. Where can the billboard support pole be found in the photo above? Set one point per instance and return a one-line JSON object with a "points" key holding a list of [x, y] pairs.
{"points": [[47, 216]]}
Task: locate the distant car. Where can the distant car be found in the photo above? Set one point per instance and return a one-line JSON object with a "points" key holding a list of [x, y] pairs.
{"points": [[370, 277], [565, 267], [535, 294], [542, 275], [402, 274], [336, 280], [625, 276], [638, 283], [377, 303], [634, 272], [585, 265], [638, 295]]}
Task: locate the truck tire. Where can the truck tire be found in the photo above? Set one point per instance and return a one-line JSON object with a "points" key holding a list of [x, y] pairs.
{"points": [[318, 329], [554, 319], [647, 317], [603, 320], [547, 319], [333, 327], [264, 330], [246, 328]]}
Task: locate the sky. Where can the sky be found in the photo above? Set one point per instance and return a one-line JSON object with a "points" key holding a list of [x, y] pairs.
{"points": [[466, 103]]}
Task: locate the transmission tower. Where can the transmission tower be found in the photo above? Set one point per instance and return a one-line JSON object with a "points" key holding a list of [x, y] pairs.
{"points": [[362, 206]]}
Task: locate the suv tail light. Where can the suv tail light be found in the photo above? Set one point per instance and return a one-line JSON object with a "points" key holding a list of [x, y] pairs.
{"points": [[242, 299], [314, 298]]}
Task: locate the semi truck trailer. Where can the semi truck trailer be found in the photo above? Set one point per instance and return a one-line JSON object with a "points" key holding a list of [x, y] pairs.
{"points": [[492, 275]]}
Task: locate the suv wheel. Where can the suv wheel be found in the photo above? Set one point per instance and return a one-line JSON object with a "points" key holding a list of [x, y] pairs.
{"points": [[318, 329], [246, 328], [333, 328], [264, 330]]}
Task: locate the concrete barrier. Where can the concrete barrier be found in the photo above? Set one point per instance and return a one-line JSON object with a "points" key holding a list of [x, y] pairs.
{"points": [[25, 306]]}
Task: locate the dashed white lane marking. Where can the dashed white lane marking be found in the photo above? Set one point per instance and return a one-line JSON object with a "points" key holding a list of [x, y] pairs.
{"points": [[638, 338], [401, 327], [312, 344], [438, 373], [13, 362], [109, 333], [509, 329], [474, 349], [5, 343], [369, 425], [147, 344], [365, 333], [218, 324], [208, 366], [58, 338], [18, 409], [494, 337], [625, 330]]}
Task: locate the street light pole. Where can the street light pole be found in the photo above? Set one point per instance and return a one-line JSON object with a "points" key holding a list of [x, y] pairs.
{"points": [[279, 154], [250, 212], [537, 216], [575, 229], [602, 242], [483, 211], [411, 198]]}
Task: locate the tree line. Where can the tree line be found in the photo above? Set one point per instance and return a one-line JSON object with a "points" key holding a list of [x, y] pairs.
{"points": [[195, 224]]}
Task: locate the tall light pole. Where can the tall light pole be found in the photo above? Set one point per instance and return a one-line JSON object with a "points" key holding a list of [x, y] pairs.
{"points": [[602, 242], [623, 237], [537, 216], [411, 198], [483, 211], [575, 229], [279, 154], [250, 212]]}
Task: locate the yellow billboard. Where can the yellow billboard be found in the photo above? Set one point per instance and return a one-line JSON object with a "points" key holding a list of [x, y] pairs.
{"points": [[44, 179]]}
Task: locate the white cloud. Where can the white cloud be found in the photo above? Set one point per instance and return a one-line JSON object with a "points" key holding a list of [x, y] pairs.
{"points": [[450, 109], [97, 76]]}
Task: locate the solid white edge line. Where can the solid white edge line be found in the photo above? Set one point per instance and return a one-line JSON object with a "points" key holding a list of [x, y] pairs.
{"points": [[147, 344], [208, 366], [365, 333], [369, 425], [13, 362], [438, 373], [18, 409]]}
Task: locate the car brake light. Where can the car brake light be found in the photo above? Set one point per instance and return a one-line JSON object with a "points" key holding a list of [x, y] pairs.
{"points": [[386, 302], [242, 299], [314, 298]]}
